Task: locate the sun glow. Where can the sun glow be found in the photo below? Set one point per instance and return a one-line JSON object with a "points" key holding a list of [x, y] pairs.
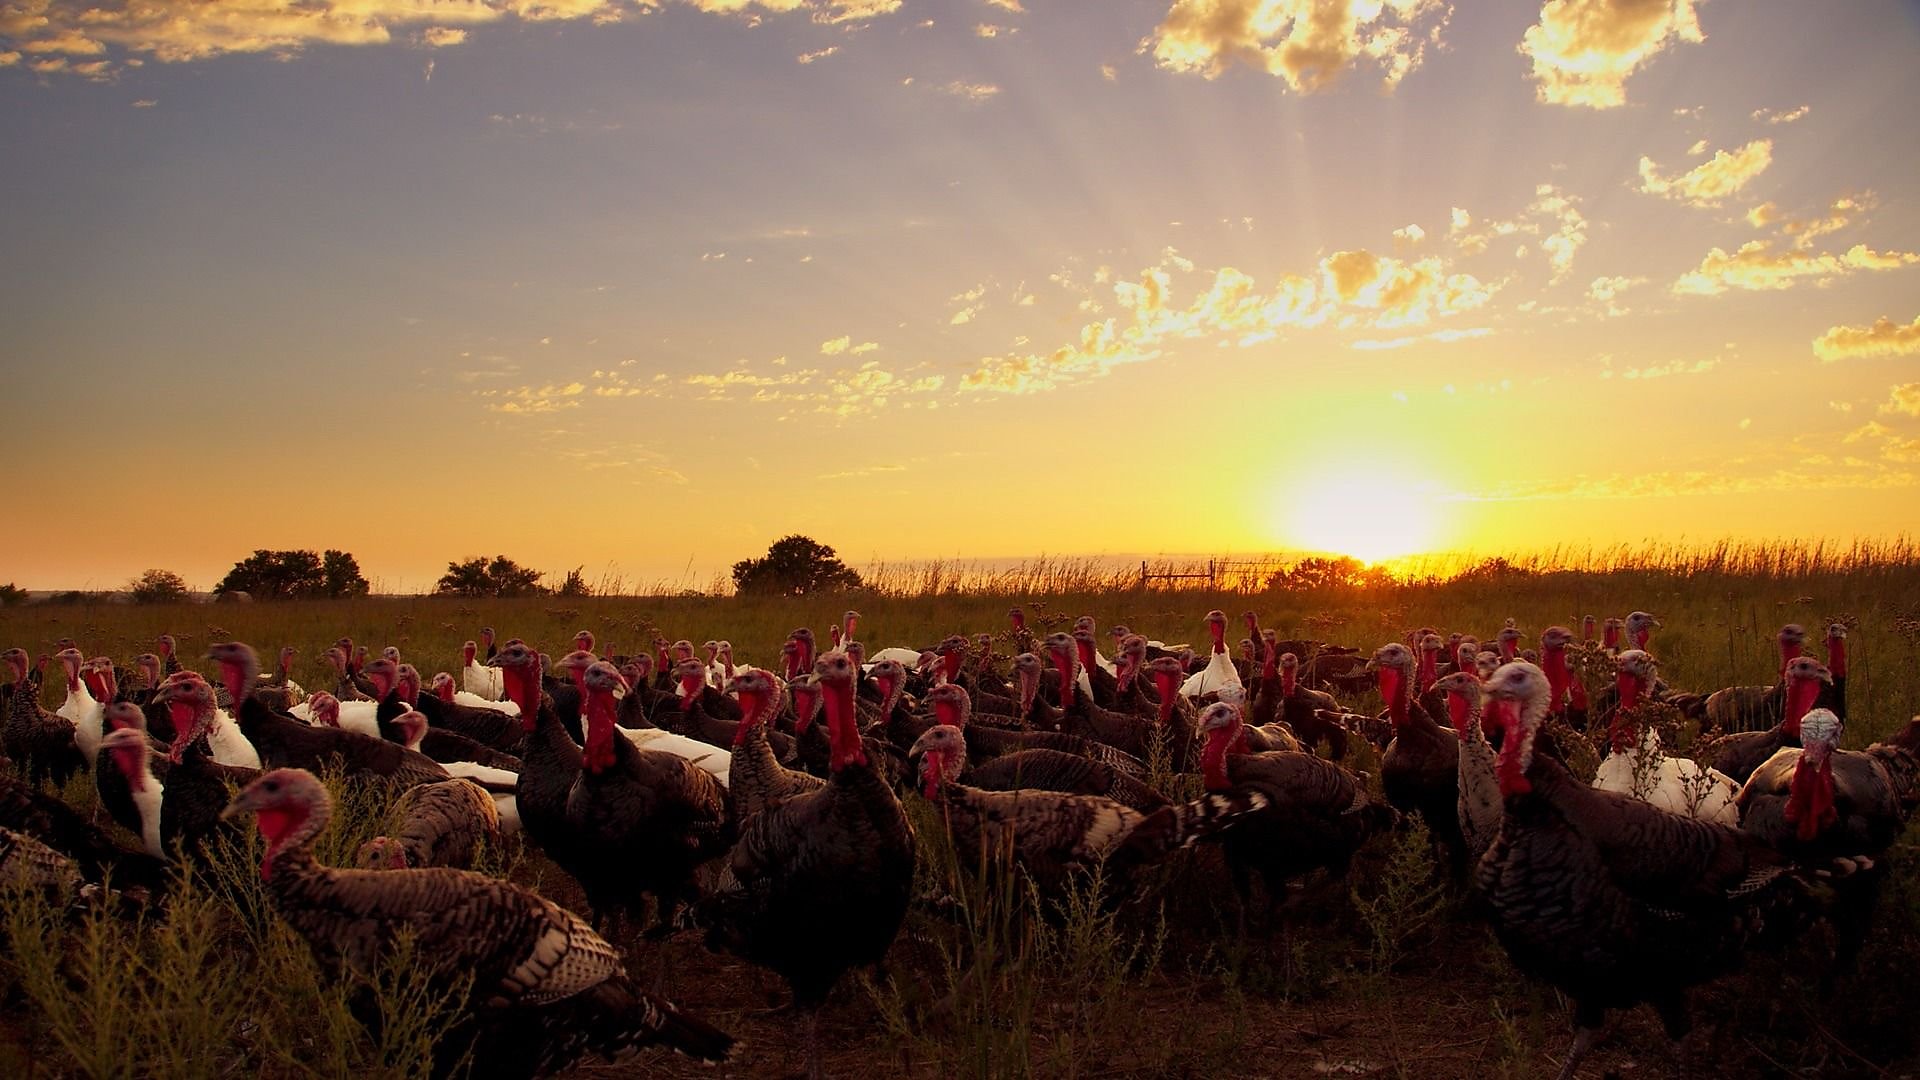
{"points": [[1371, 512]]}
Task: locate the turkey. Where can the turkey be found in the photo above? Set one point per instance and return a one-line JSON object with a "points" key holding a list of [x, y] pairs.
{"points": [[1312, 814], [1754, 708], [26, 863], [60, 827], [1053, 836], [1479, 805], [1132, 738], [283, 741], [545, 990], [820, 883], [1553, 661], [1219, 677], [448, 747], [40, 741], [1612, 901], [478, 679], [757, 780], [1307, 711], [278, 689], [1819, 802], [1640, 767], [440, 824], [1038, 768], [649, 816], [1420, 770], [324, 710], [83, 708], [182, 804], [1738, 754], [1834, 697]]}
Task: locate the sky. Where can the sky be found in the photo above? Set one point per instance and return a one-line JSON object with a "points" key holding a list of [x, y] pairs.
{"points": [[642, 285]]}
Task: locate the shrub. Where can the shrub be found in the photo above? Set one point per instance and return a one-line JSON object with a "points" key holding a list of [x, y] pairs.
{"points": [[157, 587]]}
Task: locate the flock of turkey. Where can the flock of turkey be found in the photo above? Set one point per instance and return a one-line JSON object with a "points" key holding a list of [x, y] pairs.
{"points": [[688, 792]]}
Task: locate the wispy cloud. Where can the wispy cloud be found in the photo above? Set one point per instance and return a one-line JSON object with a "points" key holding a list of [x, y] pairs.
{"points": [[1708, 183], [1884, 338], [977, 93], [1782, 116], [1756, 266]]}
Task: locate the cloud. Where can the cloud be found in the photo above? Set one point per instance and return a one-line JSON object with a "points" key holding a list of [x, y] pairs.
{"points": [[1840, 213], [817, 54], [1713, 180], [1756, 266], [1109, 72], [1583, 51], [1008, 5], [1411, 235], [1550, 207], [1446, 336], [1872, 429], [961, 317], [145, 103], [1670, 483], [1355, 289], [989, 30], [1781, 116], [977, 93], [1884, 338], [126, 32], [1671, 367], [1607, 290], [1904, 398], [529, 401], [1309, 43]]}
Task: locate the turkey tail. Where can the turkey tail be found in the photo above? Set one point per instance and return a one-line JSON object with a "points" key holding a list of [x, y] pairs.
{"points": [[1209, 814], [632, 1019]]}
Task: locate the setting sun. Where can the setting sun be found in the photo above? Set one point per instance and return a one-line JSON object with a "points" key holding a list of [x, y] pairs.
{"points": [[1369, 512]]}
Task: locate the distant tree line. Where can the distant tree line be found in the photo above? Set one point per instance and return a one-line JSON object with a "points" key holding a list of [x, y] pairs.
{"points": [[793, 566]]}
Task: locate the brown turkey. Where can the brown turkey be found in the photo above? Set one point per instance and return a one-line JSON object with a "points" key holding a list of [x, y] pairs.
{"points": [[1611, 900], [42, 743], [818, 884], [650, 817], [1819, 802], [443, 824], [1316, 815], [1040, 768], [1053, 836], [544, 989], [1738, 754], [1420, 770], [756, 780]]}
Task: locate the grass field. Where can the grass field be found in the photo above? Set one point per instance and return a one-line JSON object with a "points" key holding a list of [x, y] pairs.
{"points": [[1394, 977]]}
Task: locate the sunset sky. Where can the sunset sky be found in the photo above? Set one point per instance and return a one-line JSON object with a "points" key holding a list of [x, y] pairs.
{"points": [[645, 285]]}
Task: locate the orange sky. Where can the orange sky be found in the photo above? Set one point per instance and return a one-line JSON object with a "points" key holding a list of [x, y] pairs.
{"points": [[643, 286]]}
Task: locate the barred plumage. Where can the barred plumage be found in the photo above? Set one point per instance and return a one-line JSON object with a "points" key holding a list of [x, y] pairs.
{"points": [[545, 988]]}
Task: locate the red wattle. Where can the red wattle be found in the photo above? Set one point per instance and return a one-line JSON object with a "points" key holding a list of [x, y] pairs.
{"points": [[1213, 760], [1393, 689], [1801, 694], [1837, 657], [1459, 711], [1810, 803]]}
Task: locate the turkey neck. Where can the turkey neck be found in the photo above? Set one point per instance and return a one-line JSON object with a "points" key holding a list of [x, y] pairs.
{"points": [[290, 832]]}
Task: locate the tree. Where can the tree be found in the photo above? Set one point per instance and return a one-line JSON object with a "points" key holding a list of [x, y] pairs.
{"points": [[1340, 572], [794, 566], [275, 575], [11, 594], [340, 574], [480, 577], [157, 587], [285, 575]]}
